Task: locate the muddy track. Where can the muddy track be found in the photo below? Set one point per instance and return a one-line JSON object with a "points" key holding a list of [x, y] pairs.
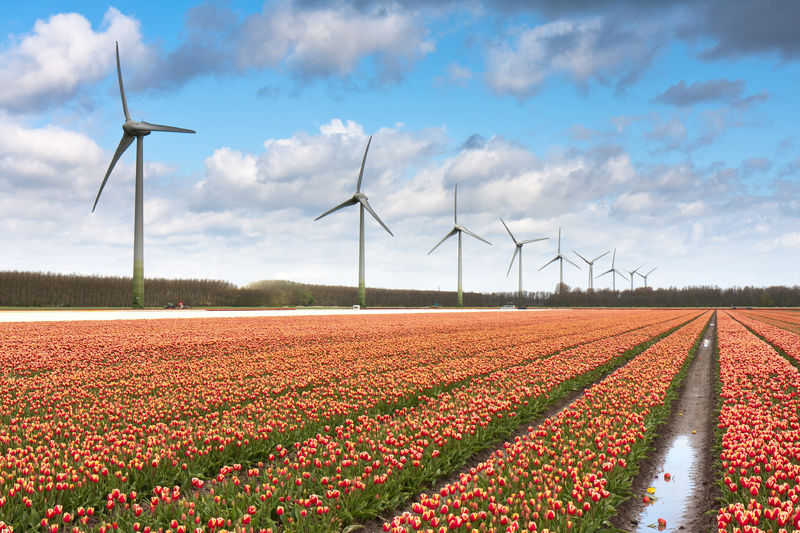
{"points": [[693, 410]]}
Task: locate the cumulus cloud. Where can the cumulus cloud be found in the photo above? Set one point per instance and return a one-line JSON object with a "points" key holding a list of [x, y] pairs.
{"points": [[582, 50], [48, 157], [313, 170], [53, 62]]}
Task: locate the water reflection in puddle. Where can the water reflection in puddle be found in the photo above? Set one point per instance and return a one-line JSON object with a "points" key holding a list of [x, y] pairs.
{"points": [[671, 497]]}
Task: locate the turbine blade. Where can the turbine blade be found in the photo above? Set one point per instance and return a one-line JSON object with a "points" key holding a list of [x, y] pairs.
{"points": [[146, 126], [651, 271], [509, 231], [452, 232], [613, 258], [579, 255], [534, 240], [124, 143], [361, 172], [604, 273], [455, 206], [559, 240], [568, 261], [468, 232], [371, 212], [620, 274], [351, 201], [516, 249], [121, 88], [601, 255], [553, 260]]}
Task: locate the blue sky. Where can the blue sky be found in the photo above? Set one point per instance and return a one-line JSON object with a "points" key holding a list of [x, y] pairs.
{"points": [[666, 130]]}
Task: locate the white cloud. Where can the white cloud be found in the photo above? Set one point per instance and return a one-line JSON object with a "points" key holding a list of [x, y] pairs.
{"points": [[45, 157], [634, 202], [580, 49], [320, 42], [53, 62], [312, 171]]}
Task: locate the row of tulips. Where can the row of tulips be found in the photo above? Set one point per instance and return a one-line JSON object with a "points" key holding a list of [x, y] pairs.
{"points": [[568, 472], [773, 331], [760, 423], [782, 318], [71, 435], [358, 469]]}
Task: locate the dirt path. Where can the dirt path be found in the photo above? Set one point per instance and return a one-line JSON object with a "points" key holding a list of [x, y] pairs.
{"points": [[685, 441]]}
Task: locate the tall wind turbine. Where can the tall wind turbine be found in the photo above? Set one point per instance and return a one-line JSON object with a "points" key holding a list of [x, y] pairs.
{"points": [[590, 263], [361, 199], [614, 272], [560, 258], [131, 130], [645, 275], [634, 271], [457, 229], [518, 249]]}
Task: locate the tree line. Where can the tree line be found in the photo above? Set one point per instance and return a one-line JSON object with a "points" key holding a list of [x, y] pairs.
{"points": [[44, 289]]}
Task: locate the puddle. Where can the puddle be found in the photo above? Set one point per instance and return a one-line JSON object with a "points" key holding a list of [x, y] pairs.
{"points": [[670, 497]]}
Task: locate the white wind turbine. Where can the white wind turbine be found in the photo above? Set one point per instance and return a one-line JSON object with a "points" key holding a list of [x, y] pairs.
{"points": [[457, 229], [518, 249], [645, 275], [560, 258], [634, 271], [361, 199], [591, 263], [131, 130], [614, 272]]}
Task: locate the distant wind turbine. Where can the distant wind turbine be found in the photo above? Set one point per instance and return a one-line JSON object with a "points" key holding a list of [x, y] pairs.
{"points": [[458, 230], [645, 275], [361, 199], [518, 249], [634, 271], [590, 263], [614, 272], [560, 258], [135, 130]]}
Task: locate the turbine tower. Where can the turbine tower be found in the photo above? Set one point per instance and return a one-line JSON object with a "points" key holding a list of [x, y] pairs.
{"points": [[131, 130], [560, 258], [361, 199], [458, 230], [590, 263], [634, 271], [518, 249], [614, 272], [645, 275]]}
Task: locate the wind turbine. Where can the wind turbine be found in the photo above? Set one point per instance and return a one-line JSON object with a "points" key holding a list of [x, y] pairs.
{"points": [[518, 249], [131, 130], [634, 271], [361, 199], [590, 263], [560, 258], [645, 275], [614, 272], [457, 229]]}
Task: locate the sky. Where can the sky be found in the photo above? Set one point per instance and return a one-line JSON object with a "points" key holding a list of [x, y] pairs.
{"points": [[663, 129]]}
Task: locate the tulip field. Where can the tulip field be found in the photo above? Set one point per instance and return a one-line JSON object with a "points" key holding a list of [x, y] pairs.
{"points": [[760, 420], [328, 422]]}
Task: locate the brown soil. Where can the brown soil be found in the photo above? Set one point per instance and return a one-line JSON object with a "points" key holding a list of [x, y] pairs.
{"points": [[697, 402]]}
